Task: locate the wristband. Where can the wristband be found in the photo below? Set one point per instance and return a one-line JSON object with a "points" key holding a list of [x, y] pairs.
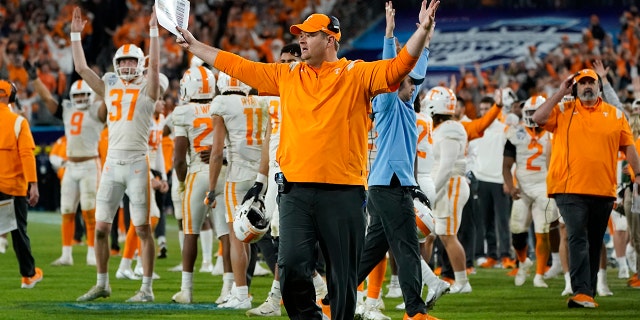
{"points": [[261, 178], [75, 36], [153, 32]]}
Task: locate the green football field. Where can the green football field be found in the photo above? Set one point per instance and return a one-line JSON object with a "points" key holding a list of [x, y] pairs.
{"points": [[494, 296]]}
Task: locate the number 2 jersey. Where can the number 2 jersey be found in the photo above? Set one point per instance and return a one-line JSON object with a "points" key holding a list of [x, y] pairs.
{"points": [[130, 111], [530, 149], [193, 121]]}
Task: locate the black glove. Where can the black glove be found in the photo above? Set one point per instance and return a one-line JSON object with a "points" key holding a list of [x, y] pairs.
{"points": [[32, 70], [210, 199], [254, 192], [416, 192]]}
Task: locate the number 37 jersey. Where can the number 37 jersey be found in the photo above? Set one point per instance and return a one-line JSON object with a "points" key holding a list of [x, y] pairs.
{"points": [[129, 113], [531, 154], [193, 121]]}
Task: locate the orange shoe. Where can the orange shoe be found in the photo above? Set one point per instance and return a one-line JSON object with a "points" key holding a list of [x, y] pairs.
{"points": [[634, 277], [326, 308], [30, 282], [447, 279], [490, 263], [418, 316], [508, 263], [581, 300], [471, 270], [513, 272], [115, 252], [634, 283], [437, 271]]}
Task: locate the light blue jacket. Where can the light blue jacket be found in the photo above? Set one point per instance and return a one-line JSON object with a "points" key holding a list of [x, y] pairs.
{"points": [[395, 123]]}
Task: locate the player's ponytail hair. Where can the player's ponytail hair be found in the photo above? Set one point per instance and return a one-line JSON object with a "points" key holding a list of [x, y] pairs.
{"points": [[634, 124]]}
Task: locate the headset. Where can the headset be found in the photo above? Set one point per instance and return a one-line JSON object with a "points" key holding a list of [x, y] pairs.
{"points": [[574, 87], [13, 93], [334, 24]]}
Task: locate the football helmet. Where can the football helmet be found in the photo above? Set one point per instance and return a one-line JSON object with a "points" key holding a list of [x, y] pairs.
{"points": [[529, 108], [81, 94], [129, 51], [228, 84], [198, 83], [439, 100], [250, 222], [425, 222]]}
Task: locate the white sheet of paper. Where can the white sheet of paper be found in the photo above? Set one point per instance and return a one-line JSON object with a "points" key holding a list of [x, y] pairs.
{"points": [[172, 13], [7, 216]]}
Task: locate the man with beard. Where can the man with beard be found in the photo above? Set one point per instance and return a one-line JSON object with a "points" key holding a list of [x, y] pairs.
{"points": [[587, 133]]}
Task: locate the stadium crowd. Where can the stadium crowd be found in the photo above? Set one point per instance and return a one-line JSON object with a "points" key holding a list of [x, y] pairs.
{"points": [[35, 35]]}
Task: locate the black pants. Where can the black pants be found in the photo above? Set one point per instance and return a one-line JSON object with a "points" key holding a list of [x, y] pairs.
{"points": [[268, 246], [19, 236], [392, 223], [586, 219], [333, 216], [493, 214]]}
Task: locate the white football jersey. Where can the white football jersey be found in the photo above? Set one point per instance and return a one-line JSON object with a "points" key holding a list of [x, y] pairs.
{"points": [[442, 136], [129, 112], [155, 137], [273, 103], [425, 143], [245, 120], [193, 121], [82, 129], [531, 154]]}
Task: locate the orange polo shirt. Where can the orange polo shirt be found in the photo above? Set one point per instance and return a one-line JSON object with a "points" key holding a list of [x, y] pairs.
{"points": [[323, 135], [584, 154], [19, 161]]}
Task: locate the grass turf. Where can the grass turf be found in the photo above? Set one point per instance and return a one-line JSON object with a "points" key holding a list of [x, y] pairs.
{"points": [[494, 296]]}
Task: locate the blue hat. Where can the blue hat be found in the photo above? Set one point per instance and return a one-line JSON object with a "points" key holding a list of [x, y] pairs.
{"points": [[417, 79]]}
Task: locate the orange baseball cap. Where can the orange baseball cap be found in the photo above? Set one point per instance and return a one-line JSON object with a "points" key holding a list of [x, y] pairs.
{"points": [[5, 88], [586, 73], [318, 22]]}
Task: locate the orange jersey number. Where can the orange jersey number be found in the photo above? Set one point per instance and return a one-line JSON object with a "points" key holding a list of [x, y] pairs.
{"points": [[274, 109], [115, 115], [76, 123], [534, 145], [425, 132], [208, 127], [254, 126]]}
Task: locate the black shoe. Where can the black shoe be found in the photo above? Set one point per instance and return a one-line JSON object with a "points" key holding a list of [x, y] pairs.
{"points": [[163, 252]]}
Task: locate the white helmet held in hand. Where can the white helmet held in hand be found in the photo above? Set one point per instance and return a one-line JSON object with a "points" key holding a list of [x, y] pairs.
{"points": [[198, 83], [529, 108], [250, 222], [228, 84], [129, 51], [425, 222], [508, 98], [439, 100], [80, 94]]}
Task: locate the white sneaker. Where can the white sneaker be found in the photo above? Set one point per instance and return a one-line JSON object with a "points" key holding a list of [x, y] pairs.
{"points": [[360, 309], [206, 267], [538, 281], [127, 274], [91, 258], [394, 291], [269, 308], [567, 291], [460, 288], [623, 272], [523, 272], [225, 295], [177, 268], [321, 291], [400, 306], [372, 313], [554, 271], [441, 288], [603, 289], [184, 297], [218, 268], [142, 296], [138, 271], [62, 261], [260, 271], [94, 293], [237, 303], [4, 244]]}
